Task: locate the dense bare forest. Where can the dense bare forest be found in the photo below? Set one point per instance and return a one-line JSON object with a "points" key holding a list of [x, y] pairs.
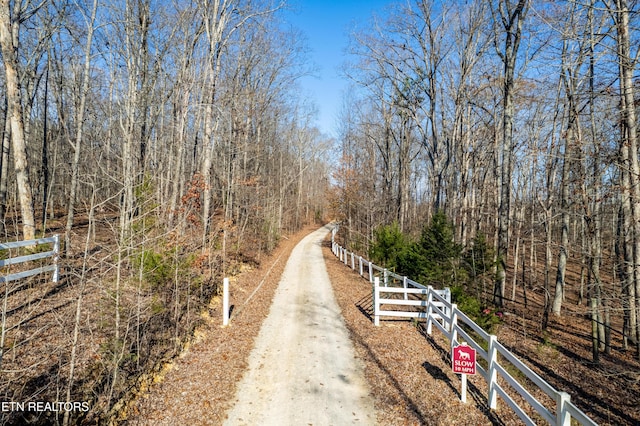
{"points": [[167, 142], [516, 120]]}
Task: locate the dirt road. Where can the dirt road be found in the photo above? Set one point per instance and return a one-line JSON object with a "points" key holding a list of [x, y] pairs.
{"points": [[302, 370]]}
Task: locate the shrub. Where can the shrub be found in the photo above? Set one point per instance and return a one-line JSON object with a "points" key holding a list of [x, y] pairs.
{"points": [[389, 246], [435, 258], [488, 318], [157, 268]]}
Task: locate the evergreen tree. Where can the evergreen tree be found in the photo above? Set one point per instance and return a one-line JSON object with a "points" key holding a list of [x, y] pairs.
{"points": [[390, 245], [435, 258]]}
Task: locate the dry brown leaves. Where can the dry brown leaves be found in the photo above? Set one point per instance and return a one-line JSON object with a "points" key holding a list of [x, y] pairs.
{"points": [[199, 387], [411, 377]]}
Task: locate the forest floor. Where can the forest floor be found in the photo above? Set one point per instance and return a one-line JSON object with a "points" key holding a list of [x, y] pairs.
{"points": [[408, 378], [408, 372], [401, 365], [199, 387]]}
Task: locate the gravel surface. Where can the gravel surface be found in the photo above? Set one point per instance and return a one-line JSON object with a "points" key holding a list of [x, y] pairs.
{"points": [[408, 374], [199, 387], [302, 370]]}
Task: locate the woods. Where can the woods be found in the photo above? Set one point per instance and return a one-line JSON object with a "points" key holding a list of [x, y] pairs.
{"points": [[168, 144], [517, 121]]}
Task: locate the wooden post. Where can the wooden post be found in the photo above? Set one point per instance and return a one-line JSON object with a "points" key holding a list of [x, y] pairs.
{"points": [[56, 256], [376, 305], [463, 388], [563, 417], [429, 309], [493, 372], [451, 326], [225, 302], [404, 284]]}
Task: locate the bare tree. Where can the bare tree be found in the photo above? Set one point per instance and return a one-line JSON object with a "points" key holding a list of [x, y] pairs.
{"points": [[630, 167], [80, 113], [12, 14], [510, 18]]}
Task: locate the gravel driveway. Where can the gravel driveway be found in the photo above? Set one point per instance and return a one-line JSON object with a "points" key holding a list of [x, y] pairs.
{"points": [[302, 370]]}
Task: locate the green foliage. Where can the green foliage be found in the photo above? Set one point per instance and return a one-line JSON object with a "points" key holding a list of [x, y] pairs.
{"points": [[466, 302], [435, 258], [389, 246], [157, 268], [487, 318]]}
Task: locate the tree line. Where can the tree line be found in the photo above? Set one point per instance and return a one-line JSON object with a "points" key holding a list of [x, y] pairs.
{"points": [[517, 120], [167, 141]]}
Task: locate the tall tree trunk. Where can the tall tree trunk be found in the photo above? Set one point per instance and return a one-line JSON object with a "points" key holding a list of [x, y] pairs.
{"points": [[4, 169], [45, 150], [9, 41], [572, 134], [512, 18], [629, 147], [592, 204], [77, 143]]}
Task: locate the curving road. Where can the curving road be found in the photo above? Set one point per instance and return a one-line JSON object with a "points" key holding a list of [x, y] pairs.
{"points": [[302, 370]]}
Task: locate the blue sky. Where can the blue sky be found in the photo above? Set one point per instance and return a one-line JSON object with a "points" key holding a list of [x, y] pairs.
{"points": [[326, 24]]}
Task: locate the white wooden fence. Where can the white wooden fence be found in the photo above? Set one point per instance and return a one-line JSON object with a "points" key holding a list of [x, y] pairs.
{"points": [[53, 254], [456, 326]]}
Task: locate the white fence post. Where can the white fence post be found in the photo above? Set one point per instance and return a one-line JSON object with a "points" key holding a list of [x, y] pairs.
{"points": [[225, 302], [453, 322], [404, 284], [384, 274], [376, 301], [429, 309], [353, 261], [56, 256], [493, 372], [563, 417], [447, 297], [370, 272], [346, 253], [360, 265]]}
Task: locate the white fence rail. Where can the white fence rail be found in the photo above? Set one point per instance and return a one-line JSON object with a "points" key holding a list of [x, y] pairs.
{"points": [[456, 326], [53, 254]]}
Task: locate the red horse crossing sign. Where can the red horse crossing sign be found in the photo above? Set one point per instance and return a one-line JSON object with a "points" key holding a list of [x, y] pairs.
{"points": [[463, 362], [464, 359]]}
